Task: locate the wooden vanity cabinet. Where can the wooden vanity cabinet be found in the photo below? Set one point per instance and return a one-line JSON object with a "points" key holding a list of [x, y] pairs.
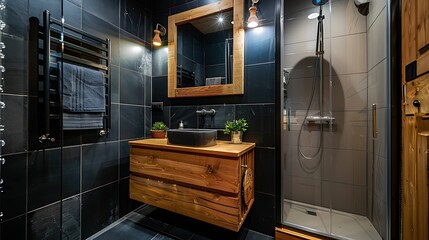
{"points": [[211, 184]]}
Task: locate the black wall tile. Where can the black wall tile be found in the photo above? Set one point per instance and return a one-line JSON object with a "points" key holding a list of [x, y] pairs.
{"points": [[265, 162], [161, 115], [136, 17], [13, 199], [223, 113], [37, 7], [132, 87], [261, 217], [15, 77], [99, 164], [159, 90], [71, 218], [132, 122], [124, 159], [187, 114], [147, 121], [44, 223], [100, 18], [73, 14], [259, 87], [184, 7], [17, 19], [108, 10], [13, 229], [71, 171], [259, 45], [99, 209], [148, 90], [44, 177], [261, 123], [114, 78], [160, 62], [102, 29], [15, 121], [135, 54]]}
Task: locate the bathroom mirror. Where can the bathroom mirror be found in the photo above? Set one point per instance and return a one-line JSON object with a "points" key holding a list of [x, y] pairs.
{"points": [[205, 55]]}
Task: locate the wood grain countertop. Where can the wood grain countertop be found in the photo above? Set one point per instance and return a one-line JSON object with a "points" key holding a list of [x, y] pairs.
{"points": [[222, 148]]}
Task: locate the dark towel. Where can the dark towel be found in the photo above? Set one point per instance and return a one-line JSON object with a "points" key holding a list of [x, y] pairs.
{"points": [[78, 121], [83, 89]]}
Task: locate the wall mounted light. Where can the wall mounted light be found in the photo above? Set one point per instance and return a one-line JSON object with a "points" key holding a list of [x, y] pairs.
{"points": [[159, 32], [253, 21]]}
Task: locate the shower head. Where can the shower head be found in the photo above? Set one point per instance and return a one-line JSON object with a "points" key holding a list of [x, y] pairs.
{"points": [[362, 6], [319, 2]]}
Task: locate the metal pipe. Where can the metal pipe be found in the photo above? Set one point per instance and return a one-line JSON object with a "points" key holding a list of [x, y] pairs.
{"points": [[46, 70]]}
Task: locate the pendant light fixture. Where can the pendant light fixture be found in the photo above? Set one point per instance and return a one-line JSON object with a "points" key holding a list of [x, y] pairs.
{"points": [[253, 21], [159, 31]]}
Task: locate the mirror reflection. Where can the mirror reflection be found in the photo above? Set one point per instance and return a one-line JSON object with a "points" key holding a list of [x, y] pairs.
{"points": [[205, 51]]}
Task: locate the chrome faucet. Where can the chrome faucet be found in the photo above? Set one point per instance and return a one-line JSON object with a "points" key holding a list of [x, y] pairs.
{"points": [[204, 112]]}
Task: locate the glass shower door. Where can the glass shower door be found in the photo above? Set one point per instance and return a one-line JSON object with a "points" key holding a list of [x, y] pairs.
{"points": [[330, 183]]}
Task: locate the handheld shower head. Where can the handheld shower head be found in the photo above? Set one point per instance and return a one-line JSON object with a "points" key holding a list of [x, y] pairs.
{"points": [[319, 2]]}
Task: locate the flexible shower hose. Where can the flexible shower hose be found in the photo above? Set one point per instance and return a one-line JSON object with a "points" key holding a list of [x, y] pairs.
{"points": [[320, 149]]}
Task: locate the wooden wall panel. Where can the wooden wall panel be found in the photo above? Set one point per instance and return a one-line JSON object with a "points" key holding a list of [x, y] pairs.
{"points": [[422, 183], [408, 178], [422, 23], [415, 120], [409, 47]]}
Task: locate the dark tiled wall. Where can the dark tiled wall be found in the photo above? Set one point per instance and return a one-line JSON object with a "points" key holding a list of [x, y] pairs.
{"points": [[87, 179], [257, 105]]}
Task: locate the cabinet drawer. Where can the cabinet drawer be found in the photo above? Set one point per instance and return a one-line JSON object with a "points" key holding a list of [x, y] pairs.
{"points": [[210, 207], [196, 170]]}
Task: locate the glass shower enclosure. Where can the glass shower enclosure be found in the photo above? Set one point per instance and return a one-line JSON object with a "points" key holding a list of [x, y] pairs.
{"points": [[336, 118]]}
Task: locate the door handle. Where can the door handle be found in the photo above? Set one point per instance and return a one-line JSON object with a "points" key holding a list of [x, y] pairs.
{"points": [[374, 120]]}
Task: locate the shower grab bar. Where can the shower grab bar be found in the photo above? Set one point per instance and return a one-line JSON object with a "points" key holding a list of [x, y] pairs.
{"points": [[374, 120]]}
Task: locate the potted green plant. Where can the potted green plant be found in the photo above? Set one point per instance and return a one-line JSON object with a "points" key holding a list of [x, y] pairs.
{"points": [[159, 130], [236, 129]]}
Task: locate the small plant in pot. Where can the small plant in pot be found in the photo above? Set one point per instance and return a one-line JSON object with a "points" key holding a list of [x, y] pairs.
{"points": [[236, 129], [159, 130]]}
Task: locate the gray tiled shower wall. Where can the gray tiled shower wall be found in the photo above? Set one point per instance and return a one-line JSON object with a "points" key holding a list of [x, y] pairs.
{"points": [[356, 48], [339, 179], [257, 105], [94, 190]]}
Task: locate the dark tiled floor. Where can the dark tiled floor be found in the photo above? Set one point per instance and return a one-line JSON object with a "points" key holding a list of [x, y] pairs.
{"points": [[156, 224]]}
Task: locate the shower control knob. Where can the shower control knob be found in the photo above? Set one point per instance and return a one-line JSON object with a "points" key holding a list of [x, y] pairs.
{"points": [[416, 103]]}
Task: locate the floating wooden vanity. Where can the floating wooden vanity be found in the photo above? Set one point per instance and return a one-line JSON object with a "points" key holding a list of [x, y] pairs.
{"points": [[211, 184]]}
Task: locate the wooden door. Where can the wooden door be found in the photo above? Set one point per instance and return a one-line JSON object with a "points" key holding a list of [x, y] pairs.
{"points": [[415, 118], [415, 38], [415, 221], [422, 24]]}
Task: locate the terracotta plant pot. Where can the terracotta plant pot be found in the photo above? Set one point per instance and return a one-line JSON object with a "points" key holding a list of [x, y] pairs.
{"points": [[158, 133]]}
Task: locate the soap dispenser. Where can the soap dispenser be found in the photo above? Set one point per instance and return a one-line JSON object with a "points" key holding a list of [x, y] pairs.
{"points": [[181, 126]]}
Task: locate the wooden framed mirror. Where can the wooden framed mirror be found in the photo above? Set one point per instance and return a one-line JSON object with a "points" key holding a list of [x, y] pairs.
{"points": [[187, 77]]}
